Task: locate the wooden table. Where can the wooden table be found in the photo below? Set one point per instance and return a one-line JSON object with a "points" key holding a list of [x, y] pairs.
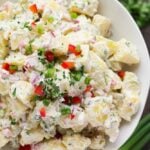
{"points": [[146, 34]]}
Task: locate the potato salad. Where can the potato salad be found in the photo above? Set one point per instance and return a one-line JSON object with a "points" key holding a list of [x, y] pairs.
{"points": [[63, 82]]}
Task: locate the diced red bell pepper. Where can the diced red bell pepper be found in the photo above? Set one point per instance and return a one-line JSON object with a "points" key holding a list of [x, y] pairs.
{"points": [[6, 66], [33, 8], [73, 49], [121, 74], [49, 56], [39, 90], [88, 89], [76, 100], [72, 116], [10, 68], [68, 65], [43, 112], [26, 147]]}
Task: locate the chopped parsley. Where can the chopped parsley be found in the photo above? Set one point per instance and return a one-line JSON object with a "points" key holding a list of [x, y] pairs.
{"points": [[46, 102], [52, 90], [26, 25], [13, 121]]}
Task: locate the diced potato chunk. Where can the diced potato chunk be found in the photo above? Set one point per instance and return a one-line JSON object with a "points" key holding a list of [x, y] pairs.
{"points": [[126, 53], [76, 142], [103, 24], [23, 91]]}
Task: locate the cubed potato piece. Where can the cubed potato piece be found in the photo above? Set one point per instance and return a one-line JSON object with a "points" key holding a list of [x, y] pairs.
{"points": [[88, 7], [98, 143], [103, 23], [96, 63], [31, 137], [50, 145], [3, 48], [16, 59], [129, 107], [126, 53], [17, 36], [23, 92], [3, 140], [76, 142], [130, 84], [4, 87]]}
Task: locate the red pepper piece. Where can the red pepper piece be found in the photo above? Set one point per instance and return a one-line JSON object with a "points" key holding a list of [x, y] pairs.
{"points": [[121, 74], [68, 65], [76, 100], [26, 147], [49, 56], [43, 112], [33, 8], [39, 90]]}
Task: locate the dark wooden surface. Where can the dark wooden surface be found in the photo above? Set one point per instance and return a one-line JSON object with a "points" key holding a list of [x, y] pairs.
{"points": [[146, 34]]}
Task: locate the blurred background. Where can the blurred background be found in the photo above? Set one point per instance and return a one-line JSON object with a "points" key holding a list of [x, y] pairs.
{"points": [[140, 10]]}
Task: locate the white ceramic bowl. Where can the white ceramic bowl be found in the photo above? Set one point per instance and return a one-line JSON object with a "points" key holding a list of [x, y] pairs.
{"points": [[125, 26]]}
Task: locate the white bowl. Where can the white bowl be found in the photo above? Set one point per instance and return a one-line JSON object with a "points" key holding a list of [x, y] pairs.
{"points": [[125, 26]]}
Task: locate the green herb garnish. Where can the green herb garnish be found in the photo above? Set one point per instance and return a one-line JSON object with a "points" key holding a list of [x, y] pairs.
{"points": [[46, 102], [65, 111], [14, 92], [50, 73], [73, 15], [139, 9], [87, 80], [51, 19], [26, 25], [13, 121]]}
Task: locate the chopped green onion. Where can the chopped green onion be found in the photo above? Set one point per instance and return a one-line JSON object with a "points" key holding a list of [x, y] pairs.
{"points": [[87, 80], [137, 137], [50, 73], [41, 51], [51, 19], [65, 111], [2, 112], [13, 68], [14, 92], [73, 15], [40, 29], [28, 50]]}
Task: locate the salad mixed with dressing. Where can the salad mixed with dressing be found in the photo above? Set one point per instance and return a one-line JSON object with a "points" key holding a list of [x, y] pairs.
{"points": [[63, 85]]}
